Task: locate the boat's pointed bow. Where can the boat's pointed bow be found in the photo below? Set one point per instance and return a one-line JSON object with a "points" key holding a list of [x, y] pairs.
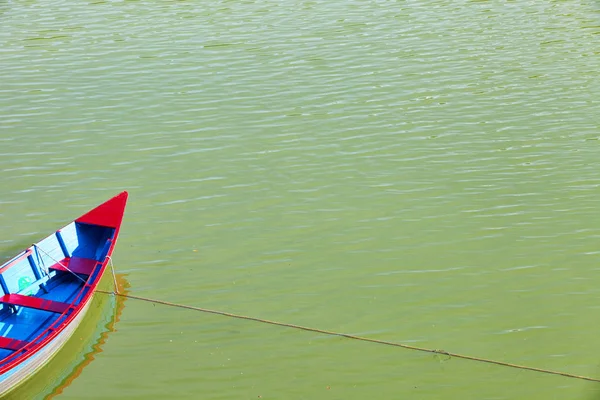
{"points": [[109, 213]]}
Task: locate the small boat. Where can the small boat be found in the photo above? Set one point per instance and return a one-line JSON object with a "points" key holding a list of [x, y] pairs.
{"points": [[46, 290]]}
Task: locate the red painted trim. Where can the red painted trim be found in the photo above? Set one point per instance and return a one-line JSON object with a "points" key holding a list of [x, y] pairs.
{"points": [[64, 320], [12, 344], [15, 260], [35, 302], [79, 265], [109, 213]]}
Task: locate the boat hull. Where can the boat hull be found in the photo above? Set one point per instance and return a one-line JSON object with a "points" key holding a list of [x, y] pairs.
{"points": [[20, 374], [46, 290]]}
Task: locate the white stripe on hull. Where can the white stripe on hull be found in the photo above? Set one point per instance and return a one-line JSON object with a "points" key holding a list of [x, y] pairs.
{"points": [[18, 375]]}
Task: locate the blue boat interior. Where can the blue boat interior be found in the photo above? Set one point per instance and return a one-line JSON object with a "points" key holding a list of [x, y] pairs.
{"points": [[43, 285]]}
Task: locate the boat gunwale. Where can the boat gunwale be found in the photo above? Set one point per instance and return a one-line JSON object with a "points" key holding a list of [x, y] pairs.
{"points": [[24, 254]]}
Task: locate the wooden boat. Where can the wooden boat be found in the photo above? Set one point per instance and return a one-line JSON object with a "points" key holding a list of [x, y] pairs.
{"points": [[46, 290]]}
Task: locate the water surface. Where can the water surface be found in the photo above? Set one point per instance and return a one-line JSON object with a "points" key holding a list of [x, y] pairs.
{"points": [[422, 172]]}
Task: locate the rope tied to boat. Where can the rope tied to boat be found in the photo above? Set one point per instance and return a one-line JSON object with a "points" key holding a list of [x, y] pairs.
{"points": [[58, 262], [347, 335], [112, 268]]}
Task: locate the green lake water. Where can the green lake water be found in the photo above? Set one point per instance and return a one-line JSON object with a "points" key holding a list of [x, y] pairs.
{"points": [[421, 172]]}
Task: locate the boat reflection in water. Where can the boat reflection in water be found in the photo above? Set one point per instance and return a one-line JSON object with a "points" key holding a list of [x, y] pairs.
{"points": [[81, 349]]}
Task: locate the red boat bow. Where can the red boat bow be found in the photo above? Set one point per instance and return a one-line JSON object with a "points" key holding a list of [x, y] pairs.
{"points": [[109, 213]]}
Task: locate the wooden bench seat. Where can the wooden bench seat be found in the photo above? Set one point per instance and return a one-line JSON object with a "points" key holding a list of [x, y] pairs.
{"points": [[12, 344], [34, 302], [78, 265]]}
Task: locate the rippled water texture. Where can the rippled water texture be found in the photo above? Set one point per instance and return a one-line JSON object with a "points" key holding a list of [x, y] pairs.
{"points": [[422, 172]]}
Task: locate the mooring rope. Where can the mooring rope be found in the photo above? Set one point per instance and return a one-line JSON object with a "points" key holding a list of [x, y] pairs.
{"points": [[112, 269], [350, 336]]}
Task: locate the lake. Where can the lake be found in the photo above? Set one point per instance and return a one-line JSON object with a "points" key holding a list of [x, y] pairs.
{"points": [[420, 172]]}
